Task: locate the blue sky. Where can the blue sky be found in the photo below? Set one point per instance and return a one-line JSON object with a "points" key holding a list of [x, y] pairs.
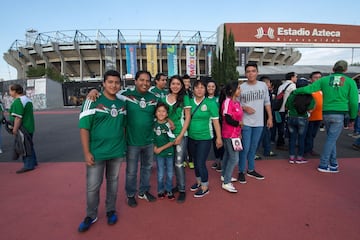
{"points": [[46, 16]]}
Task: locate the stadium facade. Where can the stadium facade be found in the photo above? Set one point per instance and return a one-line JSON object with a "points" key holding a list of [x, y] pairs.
{"points": [[84, 55]]}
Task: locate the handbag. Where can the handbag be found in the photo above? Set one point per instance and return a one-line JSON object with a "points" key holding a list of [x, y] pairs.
{"points": [[236, 144]]}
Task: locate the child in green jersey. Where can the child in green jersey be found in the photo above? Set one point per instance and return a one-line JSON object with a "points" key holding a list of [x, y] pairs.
{"points": [[164, 152]]}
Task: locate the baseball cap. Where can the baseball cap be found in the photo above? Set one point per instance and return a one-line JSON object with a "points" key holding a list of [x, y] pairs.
{"points": [[302, 82], [340, 66]]}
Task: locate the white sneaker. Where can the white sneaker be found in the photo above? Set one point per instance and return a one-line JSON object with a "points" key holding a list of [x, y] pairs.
{"points": [[232, 179], [229, 187]]}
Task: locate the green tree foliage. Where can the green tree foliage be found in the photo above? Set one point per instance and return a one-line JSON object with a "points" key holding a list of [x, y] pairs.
{"points": [[41, 71], [224, 64]]}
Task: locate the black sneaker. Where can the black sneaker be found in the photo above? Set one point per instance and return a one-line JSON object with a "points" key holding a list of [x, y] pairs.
{"points": [[218, 168], [175, 189], [201, 193], [256, 175], [242, 178], [161, 195], [86, 224], [147, 196], [131, 201], [195, 187], [181, 197], [111, 217], [214, 165], [170, 196]]}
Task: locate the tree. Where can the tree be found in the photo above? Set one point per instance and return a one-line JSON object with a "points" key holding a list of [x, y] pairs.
{"points": [[224, 63], [41, 71]]}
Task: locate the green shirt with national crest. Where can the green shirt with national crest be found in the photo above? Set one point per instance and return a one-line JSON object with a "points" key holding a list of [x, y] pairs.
{"points": [[105, 120], [201, 120], [140, 117], [162, 136]]}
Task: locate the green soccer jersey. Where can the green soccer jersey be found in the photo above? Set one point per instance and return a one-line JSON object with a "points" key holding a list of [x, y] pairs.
{"points": [[201, 121], [140, 117], [176, 115], [105, 121], [159, 93], [162, 136], [22, 107]]}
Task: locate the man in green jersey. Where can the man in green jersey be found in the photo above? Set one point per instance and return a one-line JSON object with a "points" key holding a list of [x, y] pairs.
{"points": [[21, 114], [340, 97], [102, 132], [160, 84], [140, 105]]}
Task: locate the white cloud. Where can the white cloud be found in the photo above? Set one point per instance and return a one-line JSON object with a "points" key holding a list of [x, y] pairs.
{"points": [[328, 56]]}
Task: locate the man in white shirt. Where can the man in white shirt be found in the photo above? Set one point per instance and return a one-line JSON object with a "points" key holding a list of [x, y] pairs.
{"points": [[290, 85]]}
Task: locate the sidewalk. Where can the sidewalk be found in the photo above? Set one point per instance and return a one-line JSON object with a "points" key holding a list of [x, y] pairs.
{"points": [[293, 202]]}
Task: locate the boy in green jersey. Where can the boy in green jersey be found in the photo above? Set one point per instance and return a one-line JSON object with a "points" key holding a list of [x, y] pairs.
{"points": [[164, 152], [102, 132]]}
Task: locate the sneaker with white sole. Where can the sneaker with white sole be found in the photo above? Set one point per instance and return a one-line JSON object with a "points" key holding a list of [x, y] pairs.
{"points": [[328, 169], [232, 179], [201, 193], [255, 174], [242, 178], [86, 224], [229, 187], [147, 196]]}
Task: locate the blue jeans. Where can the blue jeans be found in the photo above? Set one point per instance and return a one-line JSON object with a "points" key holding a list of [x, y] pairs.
{"points": [[282, 128], [311, 131], [30, 162], [265, 140], [200, 151], [230, 159], [297, 129], [164, 165], [144, 154], [94, 179], [250, 141], [333, 124], [179, 158]]}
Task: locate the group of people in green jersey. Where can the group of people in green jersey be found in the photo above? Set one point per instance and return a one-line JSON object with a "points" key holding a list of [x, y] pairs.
{"points": [[140, 125]]}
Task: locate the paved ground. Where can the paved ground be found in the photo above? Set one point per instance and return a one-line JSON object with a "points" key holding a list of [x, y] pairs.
{"points": [[293, 202], [57, 139]]}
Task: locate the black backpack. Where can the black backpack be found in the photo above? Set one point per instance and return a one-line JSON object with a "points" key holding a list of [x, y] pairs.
{"points": [[279, 99], [302, 102]]}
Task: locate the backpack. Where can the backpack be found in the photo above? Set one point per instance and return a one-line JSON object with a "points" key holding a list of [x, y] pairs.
{"points": [[279, 99], [302, 102]]}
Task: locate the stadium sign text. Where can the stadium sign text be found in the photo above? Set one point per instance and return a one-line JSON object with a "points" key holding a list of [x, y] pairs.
{"points": [[305, 32]]}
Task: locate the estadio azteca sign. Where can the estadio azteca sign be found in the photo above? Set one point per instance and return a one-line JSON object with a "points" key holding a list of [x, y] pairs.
{"points": [[294, 34]]}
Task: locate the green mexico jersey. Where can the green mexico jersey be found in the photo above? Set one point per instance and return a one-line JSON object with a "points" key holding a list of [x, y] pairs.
{"points": [[162, 136], [140, 117], [22, 107], [105, 121], [176, 115], [201, 121], [159, 93]]}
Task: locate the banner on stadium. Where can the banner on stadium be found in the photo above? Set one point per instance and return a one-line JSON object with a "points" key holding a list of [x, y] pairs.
{"points": [[209, 59], [131, 65], [191, 60], [172, 60], [151, 59]]}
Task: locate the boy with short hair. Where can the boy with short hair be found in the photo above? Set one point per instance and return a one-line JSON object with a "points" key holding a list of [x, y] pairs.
{"points": [[102, 133]]}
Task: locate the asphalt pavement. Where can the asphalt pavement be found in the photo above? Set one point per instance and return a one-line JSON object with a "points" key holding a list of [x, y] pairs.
{"points": [[57, 139]]}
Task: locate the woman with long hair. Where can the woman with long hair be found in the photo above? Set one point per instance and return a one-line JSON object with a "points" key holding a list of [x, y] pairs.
{"points": [[179, 113]]}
